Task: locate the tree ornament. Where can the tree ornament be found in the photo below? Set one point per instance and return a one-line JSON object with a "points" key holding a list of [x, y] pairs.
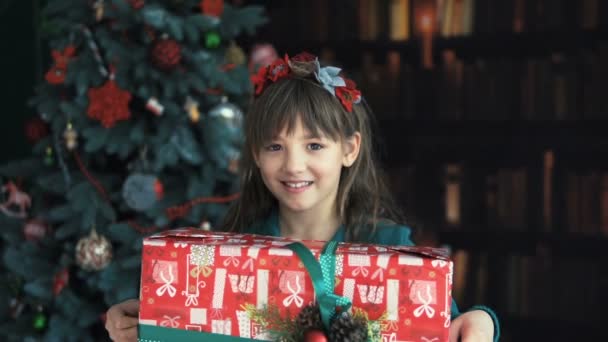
{"points": [[166, 54], [234, 54], [16, 306], [346, 327], [98, 6], [71, 137], [35, 230], [60, 281], [142, 191], [154, 106], [109, 104], [36, 129], [136, 4], [17, 202], [57, 73], [94, 252], [48, 156], [317, 336], [213, 8], [262, 55], [228, 113], [40, 321], [191, 106], [212, 40]]}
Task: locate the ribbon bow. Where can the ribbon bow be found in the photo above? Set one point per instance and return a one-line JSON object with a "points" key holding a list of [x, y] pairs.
{"points": [[425, 307], [170, 321], [294, 297], [322, 275], [167, 287]]}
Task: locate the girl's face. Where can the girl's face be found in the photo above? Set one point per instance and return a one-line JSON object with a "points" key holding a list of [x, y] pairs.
{"points": [[303, 171]]}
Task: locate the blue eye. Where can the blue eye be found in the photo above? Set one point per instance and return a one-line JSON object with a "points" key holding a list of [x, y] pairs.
{"points": [[315, 146], [273, 147]]}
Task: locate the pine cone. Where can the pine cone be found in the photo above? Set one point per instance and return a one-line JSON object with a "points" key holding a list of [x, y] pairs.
{"points": [[309, 318], [346, 328]]}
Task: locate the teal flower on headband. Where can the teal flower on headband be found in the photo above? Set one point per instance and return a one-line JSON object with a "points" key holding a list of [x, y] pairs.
{"points": [[329, 79]]}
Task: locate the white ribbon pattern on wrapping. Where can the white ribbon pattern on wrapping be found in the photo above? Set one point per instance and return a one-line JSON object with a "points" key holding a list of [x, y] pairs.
{"points": [[170, 321], [167, 287], [379, 273], [233, 260], [294, 295], [439, 263], [425, 307], [360, 270], [192, 299]]}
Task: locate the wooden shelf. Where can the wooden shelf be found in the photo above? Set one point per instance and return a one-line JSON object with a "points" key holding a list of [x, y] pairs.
{"points": [[526, 243]]}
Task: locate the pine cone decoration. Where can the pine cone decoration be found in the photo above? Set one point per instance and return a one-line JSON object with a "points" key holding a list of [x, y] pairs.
{"points": [[346, 328], [309, 318], [166, 54]]}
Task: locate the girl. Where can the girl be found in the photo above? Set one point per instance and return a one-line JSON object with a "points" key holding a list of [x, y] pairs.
{"points": [[308, 172]]}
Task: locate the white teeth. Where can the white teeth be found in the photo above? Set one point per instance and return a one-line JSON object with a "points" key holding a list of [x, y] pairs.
{"points": [[297, 185]]}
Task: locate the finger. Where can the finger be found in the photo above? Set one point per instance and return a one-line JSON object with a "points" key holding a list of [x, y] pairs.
{"points": [[455, 330], [127, 335], [126, 322], [131, 307], [474, 335]]}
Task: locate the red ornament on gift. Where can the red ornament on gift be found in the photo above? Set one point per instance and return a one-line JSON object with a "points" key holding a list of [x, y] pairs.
{"points": [[213, 8], [35, 230], [109, 104], [60, 281], [166, 54], [315, 336], [36, 129]]}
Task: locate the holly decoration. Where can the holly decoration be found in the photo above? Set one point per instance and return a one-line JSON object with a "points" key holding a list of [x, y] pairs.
{"points": [[94, 252], [60, 281], [35, 230], [166, 54], [213, 8], [142, 191], [212, 40], [57, 73], [36, 129], [109, 104]]}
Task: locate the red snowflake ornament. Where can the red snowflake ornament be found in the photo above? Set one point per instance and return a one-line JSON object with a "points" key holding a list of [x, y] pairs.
{"points": [[109, 104], [36, 129]]}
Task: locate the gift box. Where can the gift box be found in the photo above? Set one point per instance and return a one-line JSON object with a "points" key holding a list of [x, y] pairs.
{"points": [[235, 286]]}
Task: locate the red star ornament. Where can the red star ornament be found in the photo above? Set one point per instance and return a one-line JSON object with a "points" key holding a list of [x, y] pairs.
{"points": [[109, 104]]}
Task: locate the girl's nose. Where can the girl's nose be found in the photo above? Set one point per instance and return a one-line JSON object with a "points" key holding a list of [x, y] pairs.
{"points": [[294, 162]]}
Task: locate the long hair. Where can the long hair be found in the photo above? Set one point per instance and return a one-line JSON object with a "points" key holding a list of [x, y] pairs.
{"points": [[362, 199]]}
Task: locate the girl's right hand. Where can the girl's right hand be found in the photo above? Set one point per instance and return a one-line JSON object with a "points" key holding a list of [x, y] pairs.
{"points": [[122, 320]]}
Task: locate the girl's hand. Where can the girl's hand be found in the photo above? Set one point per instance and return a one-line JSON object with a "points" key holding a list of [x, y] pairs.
{"points": [[121, 321], [472, 326]]}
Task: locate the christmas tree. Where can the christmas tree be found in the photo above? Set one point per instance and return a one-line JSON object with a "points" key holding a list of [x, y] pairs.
{"points": [[139, 131]]}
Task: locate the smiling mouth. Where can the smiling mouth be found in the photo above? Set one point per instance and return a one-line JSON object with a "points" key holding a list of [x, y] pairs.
{"points": [[297, 185]]}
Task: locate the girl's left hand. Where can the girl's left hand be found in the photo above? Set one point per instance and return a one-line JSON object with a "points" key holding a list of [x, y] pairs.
{"points": [[472, 326]]}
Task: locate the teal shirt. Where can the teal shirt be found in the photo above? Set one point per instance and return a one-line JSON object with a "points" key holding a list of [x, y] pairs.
{"points": [[386, 234]]}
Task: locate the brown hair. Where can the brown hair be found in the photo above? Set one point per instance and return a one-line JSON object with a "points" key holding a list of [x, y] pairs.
{"points": [[362, 194]]}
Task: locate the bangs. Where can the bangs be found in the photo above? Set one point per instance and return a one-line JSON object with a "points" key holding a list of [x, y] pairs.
{"points": [[286, 101]]}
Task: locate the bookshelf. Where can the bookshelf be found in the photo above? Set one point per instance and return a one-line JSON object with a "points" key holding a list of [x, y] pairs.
{"points": [[496, 147]]}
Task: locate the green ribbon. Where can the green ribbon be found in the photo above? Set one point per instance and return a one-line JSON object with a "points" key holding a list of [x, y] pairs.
{"points": [[323, 277], [151, 333]]}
